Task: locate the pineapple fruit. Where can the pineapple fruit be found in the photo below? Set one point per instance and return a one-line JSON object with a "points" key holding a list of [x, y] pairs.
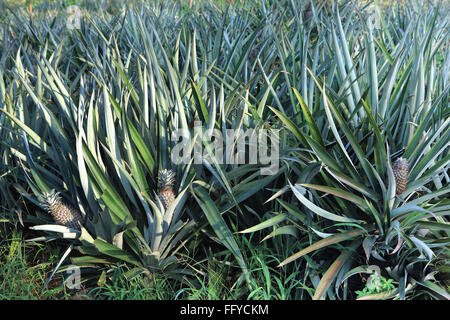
{"points": [[166, 179], [62, 213], [400, 169]]}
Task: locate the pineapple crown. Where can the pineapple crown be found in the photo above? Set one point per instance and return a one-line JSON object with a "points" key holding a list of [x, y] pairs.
{"points": [[401, 163], [47, 199], [166, 178]]}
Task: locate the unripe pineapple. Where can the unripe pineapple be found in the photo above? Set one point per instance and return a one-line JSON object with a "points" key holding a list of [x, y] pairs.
{"points": [[166, 179], [62, 213], [400, 169]]}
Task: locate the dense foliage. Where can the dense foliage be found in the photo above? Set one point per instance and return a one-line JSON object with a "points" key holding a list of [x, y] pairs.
{"points": [[91, 111]]}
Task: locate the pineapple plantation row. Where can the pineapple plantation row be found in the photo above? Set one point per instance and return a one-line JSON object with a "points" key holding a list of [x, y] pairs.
{"points": [[357, 93]]}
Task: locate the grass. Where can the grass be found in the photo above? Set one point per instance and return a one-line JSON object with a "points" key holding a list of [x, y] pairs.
{"points": [[117, 287], [217, 278], [88, 112], [24, 268]]}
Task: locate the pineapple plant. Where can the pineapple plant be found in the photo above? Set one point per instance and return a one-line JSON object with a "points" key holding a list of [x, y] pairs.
{"points": [[397, 88], [166, 179], [62, 213], [400, 169]]}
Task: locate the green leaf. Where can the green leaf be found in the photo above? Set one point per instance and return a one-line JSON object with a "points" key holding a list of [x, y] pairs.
{"points": [[348, 133], [339, 193], [433, 225], [317, 210], [142, 148], [284, 230], [332, 272], [290, 125], [309, 119], [202, 111], [110, 196], [380, 296], [324, 243], [435, 288], [219, 225], [267, 223], [115, 252]]}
